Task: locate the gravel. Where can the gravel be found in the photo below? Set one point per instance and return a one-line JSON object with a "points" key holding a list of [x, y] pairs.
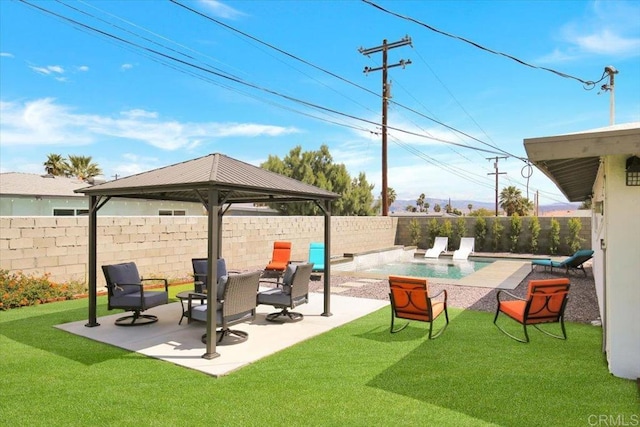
{"points": [[582, 305]]}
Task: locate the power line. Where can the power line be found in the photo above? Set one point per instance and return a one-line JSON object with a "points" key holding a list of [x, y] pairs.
{"points": [[588, 84]]}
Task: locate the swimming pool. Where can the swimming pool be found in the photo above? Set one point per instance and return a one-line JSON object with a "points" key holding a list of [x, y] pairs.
{"points": [[443, 268]]}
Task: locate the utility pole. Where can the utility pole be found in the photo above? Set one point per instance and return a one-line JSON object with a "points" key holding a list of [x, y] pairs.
{"points": [[611, 88], [496, 173], [386, 94]]}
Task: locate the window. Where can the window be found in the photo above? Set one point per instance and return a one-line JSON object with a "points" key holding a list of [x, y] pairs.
{"points": [[169, 212], [64, 212], [69, 212]]}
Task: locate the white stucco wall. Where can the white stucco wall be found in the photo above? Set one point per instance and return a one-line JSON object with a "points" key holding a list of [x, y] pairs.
{"points": [[622, 270]]}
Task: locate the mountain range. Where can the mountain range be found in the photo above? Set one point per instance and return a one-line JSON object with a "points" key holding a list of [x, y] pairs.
{"points": [[462, 205]]}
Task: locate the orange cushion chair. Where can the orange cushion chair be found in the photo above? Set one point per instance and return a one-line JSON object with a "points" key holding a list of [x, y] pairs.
{"points": [[410, 300], [280, 258], [545, 303]]}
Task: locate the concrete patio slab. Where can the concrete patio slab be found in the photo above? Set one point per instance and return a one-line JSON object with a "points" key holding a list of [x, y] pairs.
{"points": [[180, 344]]}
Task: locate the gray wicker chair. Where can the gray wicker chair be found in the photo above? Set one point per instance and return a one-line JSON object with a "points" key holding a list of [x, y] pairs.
{"points": [[293, 292], [126, 291], [236, 305], [200, 272]]}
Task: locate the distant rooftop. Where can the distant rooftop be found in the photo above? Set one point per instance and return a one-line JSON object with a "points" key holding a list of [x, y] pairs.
{"points": [[31, 184]]}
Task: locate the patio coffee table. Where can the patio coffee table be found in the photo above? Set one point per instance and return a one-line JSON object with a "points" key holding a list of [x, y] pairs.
{"points": [[184, 300]]}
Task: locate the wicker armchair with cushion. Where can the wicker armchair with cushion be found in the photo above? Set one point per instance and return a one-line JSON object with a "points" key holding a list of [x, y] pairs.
{"points": [[236, 303], [294, 292]]}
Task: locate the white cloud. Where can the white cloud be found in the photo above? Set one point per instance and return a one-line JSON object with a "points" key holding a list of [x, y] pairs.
{"points": [[125, 67], [83, 68], [43, 122], [608, 28], [137, 113], [6, 54], [221, 10], [40, 122], [48, 70]]}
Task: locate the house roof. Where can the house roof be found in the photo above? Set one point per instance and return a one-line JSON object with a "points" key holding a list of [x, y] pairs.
{"points": [[30, 184], [189, 181], [571, 161]]}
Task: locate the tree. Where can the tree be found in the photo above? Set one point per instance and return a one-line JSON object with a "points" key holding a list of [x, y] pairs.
{"points": [[469, 206], [426, 207], [82, 167], [420, 202], [55, 165], [391, 196], [511, 201], [437, 208], [317, 168], [482, 212]]}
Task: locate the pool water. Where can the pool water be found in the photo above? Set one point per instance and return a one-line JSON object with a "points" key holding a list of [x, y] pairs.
{"points": [[444, 268]]}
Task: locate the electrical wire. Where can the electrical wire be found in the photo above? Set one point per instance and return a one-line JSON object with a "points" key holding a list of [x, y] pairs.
{"points": [[587, 84]]}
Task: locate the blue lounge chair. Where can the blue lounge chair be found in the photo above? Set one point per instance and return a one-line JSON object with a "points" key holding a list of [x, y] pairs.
{"points": [[316, 256], [574, 262]]}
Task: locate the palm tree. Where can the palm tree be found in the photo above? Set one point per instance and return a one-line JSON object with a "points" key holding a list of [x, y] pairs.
{"points": [[469, 206], [420, 202], [510, 200], [82, 168], [56, 165], [391, 196]]}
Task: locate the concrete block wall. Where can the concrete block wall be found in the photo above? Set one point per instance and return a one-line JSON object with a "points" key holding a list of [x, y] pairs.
{"points": [[164, 246]]}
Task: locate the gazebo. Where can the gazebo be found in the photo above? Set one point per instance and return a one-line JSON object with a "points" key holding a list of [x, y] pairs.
{"points": [[216, 181]]}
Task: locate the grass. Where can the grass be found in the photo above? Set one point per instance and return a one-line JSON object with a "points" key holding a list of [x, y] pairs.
{"points": [[356, 375]]}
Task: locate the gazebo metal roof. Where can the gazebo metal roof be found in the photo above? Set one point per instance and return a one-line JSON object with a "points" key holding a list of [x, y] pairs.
{"points": [[213, 180], [237, 181]]}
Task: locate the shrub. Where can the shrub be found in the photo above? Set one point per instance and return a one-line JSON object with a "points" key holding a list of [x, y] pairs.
{"points": [[460, 230], [18, 290], [516, 229], [480, 232], [415, 231], [573, 239], [447, 230], [534, 229], [496, 229], [554, 236], [433, 229]]}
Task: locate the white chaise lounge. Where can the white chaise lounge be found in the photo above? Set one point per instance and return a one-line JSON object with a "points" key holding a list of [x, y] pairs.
{"points": [[467, 246], [439, 246]]}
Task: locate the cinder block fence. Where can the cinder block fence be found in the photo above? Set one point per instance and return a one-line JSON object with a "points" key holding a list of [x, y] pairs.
{"points": [[163, 246]]}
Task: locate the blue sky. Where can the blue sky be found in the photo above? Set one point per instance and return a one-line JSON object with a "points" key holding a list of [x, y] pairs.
{"points": [[147, 91]]}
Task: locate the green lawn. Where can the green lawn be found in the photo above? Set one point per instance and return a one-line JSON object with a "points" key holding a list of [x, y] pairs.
{"points": [[355, 375]]}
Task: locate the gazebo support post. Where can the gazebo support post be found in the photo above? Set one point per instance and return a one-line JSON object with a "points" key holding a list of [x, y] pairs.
{"points": [[213, 244], [93, 261], [327, 258]]}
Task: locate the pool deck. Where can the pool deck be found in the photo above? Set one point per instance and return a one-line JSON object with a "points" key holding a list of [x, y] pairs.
{"points": [[505, 273]]}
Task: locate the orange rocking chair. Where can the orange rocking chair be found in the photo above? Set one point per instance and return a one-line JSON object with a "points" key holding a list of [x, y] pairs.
{"points": [[545, 303], [410, 300]]}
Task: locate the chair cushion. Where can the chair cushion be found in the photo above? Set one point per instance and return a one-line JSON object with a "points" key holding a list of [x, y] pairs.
{"points": [[132, 300], [222, 285], [288, 278], [125, 273], [199, 312], [514, 309], [275, 297]]}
